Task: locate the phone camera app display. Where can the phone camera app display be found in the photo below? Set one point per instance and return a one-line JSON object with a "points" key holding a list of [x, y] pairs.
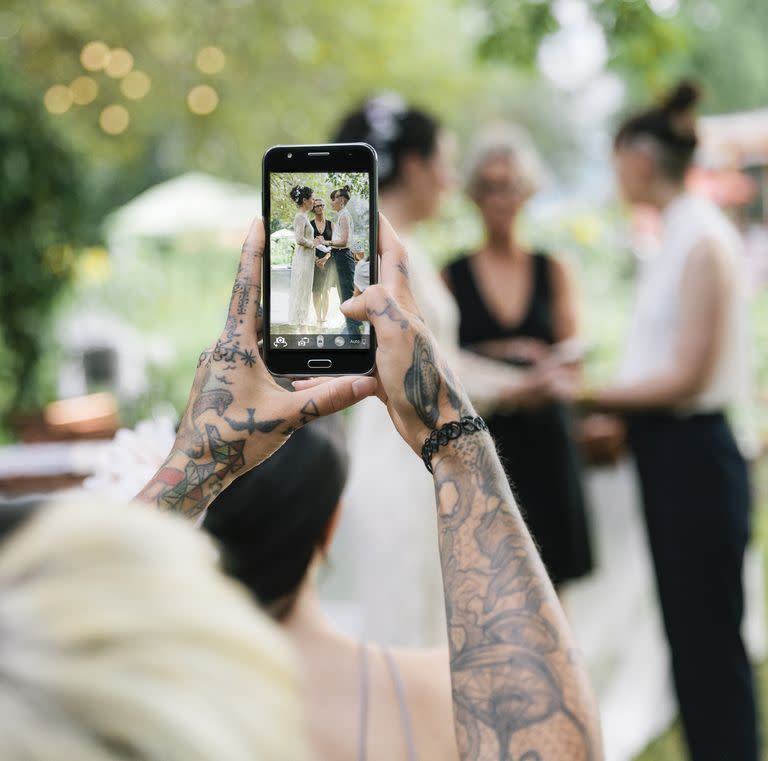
{"points": [[319, 257]]}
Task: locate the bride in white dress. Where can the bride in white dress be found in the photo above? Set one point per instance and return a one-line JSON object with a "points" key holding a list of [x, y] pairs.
{"points": [[303, 263]]}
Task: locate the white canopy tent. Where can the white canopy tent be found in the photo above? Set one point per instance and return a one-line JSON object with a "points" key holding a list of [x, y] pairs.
{"points": [[190, 203]]}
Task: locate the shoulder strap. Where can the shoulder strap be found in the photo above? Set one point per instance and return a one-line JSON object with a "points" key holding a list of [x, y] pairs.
{"points": [[362, 736], [405, 717], [543, 275]]}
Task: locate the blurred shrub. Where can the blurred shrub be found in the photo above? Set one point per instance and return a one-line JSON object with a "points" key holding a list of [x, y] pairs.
{"points": [[42, 203]]}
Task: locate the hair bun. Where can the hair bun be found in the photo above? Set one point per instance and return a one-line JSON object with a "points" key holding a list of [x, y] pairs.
{"points": [[295, 193], [683, 98], [347, 188]]}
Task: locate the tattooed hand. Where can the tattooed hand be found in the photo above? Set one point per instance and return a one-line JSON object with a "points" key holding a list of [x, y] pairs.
{"points": [[237, 415], [416, 384]]}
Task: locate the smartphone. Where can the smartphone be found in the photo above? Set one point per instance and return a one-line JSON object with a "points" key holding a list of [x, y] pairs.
{"points": [[319, 207]]}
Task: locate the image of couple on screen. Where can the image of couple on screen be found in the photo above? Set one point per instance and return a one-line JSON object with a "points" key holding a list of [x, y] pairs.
{"points": [[327, 256]]}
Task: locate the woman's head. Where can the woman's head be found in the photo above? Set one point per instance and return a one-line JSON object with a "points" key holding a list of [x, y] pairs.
{"points": [[657, 145], [318, 206], [119, 633], [503, 171], [301, 195], [340, 198], [413, 152], [274, 520]]}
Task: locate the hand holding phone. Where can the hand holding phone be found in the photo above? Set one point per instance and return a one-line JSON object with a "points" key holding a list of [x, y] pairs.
{"points": [[414, 380], [320, 206]]}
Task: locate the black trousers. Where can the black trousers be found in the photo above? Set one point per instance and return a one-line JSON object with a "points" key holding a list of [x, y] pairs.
{"points": [[696, 497], [345, 269]]}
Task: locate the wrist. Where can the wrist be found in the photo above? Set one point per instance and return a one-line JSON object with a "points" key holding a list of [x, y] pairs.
{"points": [[444, 437]]}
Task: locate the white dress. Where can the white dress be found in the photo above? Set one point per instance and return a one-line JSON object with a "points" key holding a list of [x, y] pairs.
{"points": [[302, 271], [384, 580]]}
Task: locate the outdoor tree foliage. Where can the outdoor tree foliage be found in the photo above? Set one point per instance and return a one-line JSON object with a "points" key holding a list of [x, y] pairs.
{"points": [[42, 200]]}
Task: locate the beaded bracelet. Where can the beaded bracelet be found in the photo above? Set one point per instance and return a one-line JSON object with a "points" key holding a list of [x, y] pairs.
{"points": [[449, 432]]}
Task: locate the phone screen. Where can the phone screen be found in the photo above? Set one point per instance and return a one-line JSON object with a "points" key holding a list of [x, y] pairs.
{"points": [[319, 257]]}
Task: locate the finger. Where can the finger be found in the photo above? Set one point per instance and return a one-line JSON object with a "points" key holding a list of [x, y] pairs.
{"points": [[394, 263], [303, 383], [333, 396], [378, 305], [246, 292]]}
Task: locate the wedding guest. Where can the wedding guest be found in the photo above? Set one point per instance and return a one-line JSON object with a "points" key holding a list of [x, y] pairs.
{"points": [[343, 235], [684, 365], [323, 279], [303, 262], [415, 171], [122, 640], [518, 305]]}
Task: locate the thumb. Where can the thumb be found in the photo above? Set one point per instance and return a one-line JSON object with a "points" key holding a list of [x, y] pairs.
{"points": [[355, 307], [332, 396]]}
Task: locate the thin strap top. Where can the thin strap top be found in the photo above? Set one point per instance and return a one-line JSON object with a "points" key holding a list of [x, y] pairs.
{"points": [[397, 683], [478, 323], [327, 234]]}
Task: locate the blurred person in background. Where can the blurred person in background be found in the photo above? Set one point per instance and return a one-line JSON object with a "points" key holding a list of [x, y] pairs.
{"points": [[324, 274], [122, 640], [518, 305], [517, 687], [393, 562], [685, 363]]}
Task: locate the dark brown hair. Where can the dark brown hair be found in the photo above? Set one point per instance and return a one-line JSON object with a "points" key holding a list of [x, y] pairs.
{"points": [[671, 125]]}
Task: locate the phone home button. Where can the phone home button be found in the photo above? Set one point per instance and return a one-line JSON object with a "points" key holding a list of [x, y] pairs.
{"points": [[319, 364]]}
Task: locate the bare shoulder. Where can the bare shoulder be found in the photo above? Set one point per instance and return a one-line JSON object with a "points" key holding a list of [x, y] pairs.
{"points": [[427, 681]]}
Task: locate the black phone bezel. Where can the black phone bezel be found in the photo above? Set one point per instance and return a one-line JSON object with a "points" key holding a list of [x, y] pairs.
{"points": [[339, 157]]}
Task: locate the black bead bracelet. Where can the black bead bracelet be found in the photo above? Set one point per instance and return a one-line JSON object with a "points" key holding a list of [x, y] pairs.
{"points": [[449, 432]]}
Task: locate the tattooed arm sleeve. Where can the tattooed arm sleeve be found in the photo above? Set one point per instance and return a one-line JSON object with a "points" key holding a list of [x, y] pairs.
{"points": [[518, 690]]}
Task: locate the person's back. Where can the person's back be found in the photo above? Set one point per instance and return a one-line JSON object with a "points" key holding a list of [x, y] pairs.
{"points": [[364, 703]]}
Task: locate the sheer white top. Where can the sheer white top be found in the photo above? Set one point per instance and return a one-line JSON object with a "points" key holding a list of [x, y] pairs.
{"points": [[688, 221]]}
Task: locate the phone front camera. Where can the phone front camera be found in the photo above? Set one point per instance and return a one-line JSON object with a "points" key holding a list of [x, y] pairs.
{"points": [[290, 155]]}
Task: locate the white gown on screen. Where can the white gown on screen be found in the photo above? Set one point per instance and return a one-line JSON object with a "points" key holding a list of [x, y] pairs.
{"points": [[302, 271]]}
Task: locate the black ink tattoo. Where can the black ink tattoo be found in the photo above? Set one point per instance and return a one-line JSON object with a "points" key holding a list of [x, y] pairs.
{"points": [[392, 311], [422, 382], [403, 268], [515, 685], [308, 412], [251, 425]]}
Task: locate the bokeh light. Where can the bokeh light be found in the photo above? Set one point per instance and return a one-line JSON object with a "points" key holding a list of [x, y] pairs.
{"points": [[202, 100], [114, 119], [94, 56], [210, 60], [84, 90], [58, 99], [120, 63], [135, 85]]}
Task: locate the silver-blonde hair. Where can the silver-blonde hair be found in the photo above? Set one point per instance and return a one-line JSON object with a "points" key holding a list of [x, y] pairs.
{"points": [[119, 639], [504, 141]]}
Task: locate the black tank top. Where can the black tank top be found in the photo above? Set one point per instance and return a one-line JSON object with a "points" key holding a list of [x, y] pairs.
{"points": [[479, 324], [327, 234]]}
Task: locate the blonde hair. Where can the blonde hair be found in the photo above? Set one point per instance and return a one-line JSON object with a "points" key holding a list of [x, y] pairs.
{"points": [[507, 141], [119, 639]]}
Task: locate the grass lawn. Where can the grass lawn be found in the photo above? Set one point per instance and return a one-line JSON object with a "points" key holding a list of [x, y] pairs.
{"points": [[670, 746]]}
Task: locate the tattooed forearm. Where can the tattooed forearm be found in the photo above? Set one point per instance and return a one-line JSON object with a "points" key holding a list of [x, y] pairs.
{"points": [[517, 693]]}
